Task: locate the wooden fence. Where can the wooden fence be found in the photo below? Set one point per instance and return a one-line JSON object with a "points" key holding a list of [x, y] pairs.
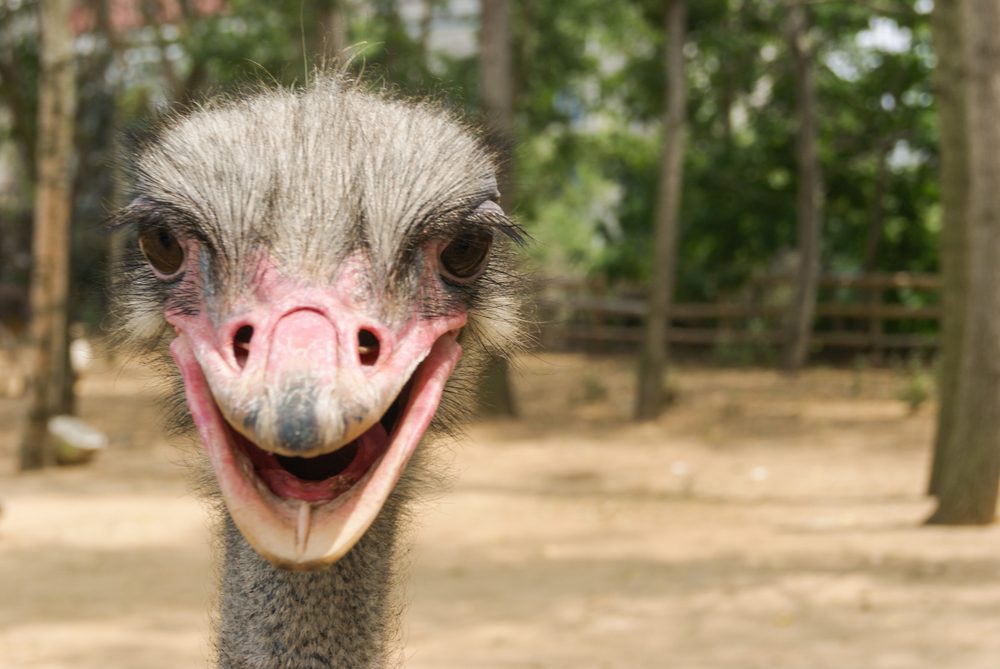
{"points": [[878, 313]]}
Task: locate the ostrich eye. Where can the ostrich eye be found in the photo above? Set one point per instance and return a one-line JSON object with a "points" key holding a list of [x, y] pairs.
{"points": [[162, 250], [465, 256]]}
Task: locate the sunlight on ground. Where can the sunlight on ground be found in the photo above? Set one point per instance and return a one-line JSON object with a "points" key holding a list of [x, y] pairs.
{"points": [[762, 522]]}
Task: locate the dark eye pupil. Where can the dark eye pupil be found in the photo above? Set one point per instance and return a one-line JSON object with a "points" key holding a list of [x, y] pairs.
{"points": [[162, 250], [466, 254]]}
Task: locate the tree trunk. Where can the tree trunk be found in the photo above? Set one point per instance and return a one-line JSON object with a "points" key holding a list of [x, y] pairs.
{"points": [[330, 37], [967, 487], [950, 82], [810, 192], [497, 97], [655, 349], [876, 218], [496, 76], [874, 296], [50, 246]]}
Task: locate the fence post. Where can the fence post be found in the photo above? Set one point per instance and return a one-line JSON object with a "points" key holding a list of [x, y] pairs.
{"points": [[876, 323]]}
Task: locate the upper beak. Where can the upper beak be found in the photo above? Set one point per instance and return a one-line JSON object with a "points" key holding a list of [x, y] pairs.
{"points": [[306, 389]]}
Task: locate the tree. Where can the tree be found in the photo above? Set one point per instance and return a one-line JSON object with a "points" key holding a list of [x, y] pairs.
{"points": [[809, 203], [950, 78], [331, 30], [17, 71], [968, 484], [497, 99], [654, 354], [50, 246]]}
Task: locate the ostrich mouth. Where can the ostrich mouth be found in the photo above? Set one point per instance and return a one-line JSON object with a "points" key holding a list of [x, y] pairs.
{"points": [[325, 477], [305, 512]]}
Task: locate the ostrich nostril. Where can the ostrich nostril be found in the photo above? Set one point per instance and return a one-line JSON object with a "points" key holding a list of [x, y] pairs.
{"points": [[241, 345], [368, 347]]}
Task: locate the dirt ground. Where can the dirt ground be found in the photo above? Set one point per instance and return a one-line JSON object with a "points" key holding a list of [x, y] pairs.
{"points": [[764, 522]]}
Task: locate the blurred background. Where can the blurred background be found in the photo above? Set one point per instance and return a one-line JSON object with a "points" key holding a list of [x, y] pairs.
{"points": [[758, 424]]}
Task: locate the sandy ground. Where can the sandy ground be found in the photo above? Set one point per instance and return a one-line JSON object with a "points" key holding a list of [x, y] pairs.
{"points": [[764, 522]]}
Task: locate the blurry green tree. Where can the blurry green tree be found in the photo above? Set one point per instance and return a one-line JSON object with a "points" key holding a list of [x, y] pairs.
{"points": [[809, 188], [589, 91], [589, 155], [654, 355]]}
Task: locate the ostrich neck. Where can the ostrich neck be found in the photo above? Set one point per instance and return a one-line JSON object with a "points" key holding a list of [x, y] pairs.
{"points": [[340, 616]]}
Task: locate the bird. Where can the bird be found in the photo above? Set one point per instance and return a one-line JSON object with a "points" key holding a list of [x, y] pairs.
{"points": [[320, 273]]}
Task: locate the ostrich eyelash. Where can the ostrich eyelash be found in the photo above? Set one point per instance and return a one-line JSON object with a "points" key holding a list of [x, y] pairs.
{"points": [[145, 212], [509, 229]]}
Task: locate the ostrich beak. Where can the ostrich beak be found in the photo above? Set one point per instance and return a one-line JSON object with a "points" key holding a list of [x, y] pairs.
{"points": [[310, 421]]}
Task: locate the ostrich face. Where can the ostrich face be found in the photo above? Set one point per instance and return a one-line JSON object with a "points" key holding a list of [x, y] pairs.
{"points": [[314, 262]]}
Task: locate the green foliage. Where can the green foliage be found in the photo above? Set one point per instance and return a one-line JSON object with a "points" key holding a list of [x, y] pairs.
{"points": [[917, 386], [590, 88], [590, 124]]}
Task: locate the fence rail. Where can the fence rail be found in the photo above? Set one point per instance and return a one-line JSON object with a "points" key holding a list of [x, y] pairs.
{"points": [[875, 312]]}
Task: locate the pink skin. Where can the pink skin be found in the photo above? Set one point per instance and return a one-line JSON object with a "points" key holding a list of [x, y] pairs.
{"points": [[308, 335]]}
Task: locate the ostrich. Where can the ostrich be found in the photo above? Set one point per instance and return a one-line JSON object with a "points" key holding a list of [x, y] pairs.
{"points": [[323, 272]]}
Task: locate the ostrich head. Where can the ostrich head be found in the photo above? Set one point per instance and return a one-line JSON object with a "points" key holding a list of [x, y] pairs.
{"points": [[324, 270]]}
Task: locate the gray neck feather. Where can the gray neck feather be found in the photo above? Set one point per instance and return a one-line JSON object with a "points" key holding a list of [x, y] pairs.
{"points": [[343, 616]]}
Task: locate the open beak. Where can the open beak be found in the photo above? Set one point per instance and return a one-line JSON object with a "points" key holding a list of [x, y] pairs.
{"points": [[309, 423]]}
